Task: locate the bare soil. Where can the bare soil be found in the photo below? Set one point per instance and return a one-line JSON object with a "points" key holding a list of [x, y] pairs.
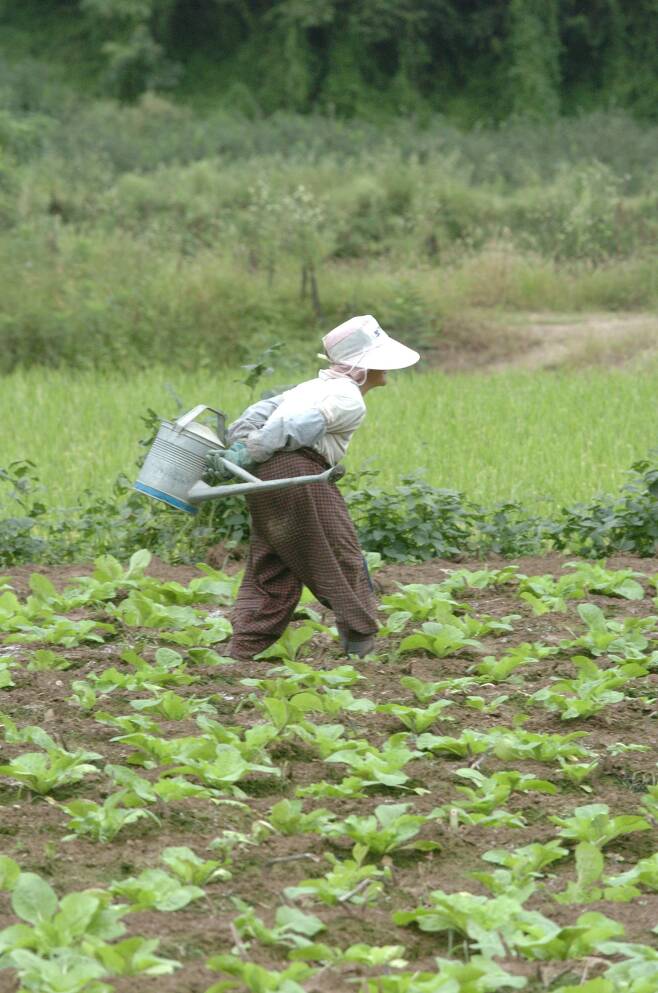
{"points": [[32, 829]]}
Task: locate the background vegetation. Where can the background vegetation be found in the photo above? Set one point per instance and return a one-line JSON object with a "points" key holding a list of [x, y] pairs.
{"points": [[481, 60], [180, 191], [151, 233]]}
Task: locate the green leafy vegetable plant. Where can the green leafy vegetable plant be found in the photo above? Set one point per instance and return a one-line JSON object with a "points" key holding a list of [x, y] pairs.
{"points": [[439, 640], [43, 772], [417, 719], [626, 638], [102, 821], [390, 828], [189, 868], [594, 825], [493, 926], [155, 889], [348, 881], [590, 691], [256, 978], [496, 670]]}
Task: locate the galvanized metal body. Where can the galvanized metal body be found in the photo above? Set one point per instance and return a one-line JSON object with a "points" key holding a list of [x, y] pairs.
{"points": [[177, 459], [174, 467]]}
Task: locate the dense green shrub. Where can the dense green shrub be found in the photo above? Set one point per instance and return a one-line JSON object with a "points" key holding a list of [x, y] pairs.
{"points": [[411, 523]]}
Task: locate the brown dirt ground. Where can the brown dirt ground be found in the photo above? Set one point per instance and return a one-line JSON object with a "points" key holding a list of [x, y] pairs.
{"points": [[480, 342], [32, 830]]}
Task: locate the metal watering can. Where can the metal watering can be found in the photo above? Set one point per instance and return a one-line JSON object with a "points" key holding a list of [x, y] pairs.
{"points": [[176, 462]]}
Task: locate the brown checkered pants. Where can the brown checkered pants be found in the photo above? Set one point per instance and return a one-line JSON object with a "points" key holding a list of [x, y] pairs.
{"points": [[302, 536]]}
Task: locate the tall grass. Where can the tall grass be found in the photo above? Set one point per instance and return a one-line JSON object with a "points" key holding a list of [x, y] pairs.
{"points": [[541, 439]]}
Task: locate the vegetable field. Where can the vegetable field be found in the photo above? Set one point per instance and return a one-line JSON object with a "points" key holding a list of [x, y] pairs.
{"points": [[473, 808]]}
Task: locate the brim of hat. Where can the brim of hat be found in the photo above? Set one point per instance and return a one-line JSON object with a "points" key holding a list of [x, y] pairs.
{"points": [[388, 355]]}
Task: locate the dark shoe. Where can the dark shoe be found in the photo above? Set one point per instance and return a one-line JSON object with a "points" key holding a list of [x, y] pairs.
{"points": [[355, 645], [360, 646]]}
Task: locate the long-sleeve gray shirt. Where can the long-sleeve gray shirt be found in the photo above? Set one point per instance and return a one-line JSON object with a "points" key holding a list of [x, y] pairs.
{"points": [[322, 414]]}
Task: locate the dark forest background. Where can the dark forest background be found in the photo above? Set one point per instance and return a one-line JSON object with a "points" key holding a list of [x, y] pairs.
{"points": [[472, 60]]}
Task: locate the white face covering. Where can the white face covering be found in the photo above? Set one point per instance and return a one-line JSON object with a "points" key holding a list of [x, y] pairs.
{"points": [[341, 370]]}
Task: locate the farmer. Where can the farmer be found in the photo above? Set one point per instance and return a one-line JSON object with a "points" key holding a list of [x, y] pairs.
{"points": [[303, 536]]}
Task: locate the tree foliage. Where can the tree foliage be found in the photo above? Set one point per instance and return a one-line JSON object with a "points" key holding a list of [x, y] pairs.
{"points": [[483, 59]]}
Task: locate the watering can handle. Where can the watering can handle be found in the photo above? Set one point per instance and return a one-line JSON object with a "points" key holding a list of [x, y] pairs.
{"points": [[192, 415], [201, 492]]}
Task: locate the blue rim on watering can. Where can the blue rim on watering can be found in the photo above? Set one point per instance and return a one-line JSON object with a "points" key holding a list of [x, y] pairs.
{"points": [[166, 498]]}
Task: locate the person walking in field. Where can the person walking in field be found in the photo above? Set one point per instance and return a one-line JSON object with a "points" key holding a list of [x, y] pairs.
{"points": [[304, 536]]}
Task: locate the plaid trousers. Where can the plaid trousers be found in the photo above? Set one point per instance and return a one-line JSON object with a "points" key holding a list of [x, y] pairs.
{"points": [[301, 536]]}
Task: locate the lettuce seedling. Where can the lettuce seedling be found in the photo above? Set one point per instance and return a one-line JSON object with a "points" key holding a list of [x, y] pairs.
{"points": [[417, 719], [489, 792], [189, 868], [135, 957], [589, 869], [256, 978], [421, 602], [625, 885], [325, 738], [595, 578], [32, 734], [389, 829], [308, 676], [592, 823], [424, 692], [348, 881], [70, 972], [494, 926], [290, 643], [102, 821], [469, 743], [479, 579], [84, 919], [584, 938], [604, 637], [293, 928], [62, 631], [173, 707], [43, 772], [44, 660], [155, 889], [287, 817], [475, 976], [9, 873], [577, 772], [372, 765], [493, 670], [591, 691], [438, 639], [521, 868], [484, 706]]}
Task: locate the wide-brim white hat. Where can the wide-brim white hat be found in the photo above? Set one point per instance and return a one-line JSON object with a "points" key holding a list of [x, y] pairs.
{"points": [[362, 344]]}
